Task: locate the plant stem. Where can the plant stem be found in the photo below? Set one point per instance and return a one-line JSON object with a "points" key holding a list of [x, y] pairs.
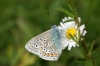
{"points": [[87, 52], [75, 13], [78, 24], [85, 47]]}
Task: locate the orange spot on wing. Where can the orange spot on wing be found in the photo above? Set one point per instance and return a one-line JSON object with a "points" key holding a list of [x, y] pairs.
{"points": [[50, 55], [43, 53], [41, 45], [56, 55], [47, 54], [41, 48]]}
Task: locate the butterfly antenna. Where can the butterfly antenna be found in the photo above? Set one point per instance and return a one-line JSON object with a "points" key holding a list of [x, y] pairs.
{"points": [[49, 19]]}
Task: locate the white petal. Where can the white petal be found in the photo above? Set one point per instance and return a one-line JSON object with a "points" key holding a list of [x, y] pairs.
{"points": [[73, 43], [70, 18], [74, 24], [63, 20], [79, 19], [59, 27], [77, 45], [84, 32], [82, 27], [62, 25], [69, 24], [65, 44], [63, 34], [69, 46]]}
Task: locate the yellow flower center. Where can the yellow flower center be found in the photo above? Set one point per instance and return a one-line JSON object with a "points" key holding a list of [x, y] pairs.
{"points": [[70, 32]]}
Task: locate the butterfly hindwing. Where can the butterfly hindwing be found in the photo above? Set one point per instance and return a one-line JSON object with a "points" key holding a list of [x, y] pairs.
{"points": [[46, 45]]}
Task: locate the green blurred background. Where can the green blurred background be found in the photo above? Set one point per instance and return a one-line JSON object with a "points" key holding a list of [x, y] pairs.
{"points": [[20, 20]]}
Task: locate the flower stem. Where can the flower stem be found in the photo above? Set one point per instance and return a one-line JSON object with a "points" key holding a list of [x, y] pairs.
{"points": [[87, 52], [85, 47], [75, 13]]}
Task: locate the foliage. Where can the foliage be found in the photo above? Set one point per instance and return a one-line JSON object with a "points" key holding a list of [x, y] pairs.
{"points": [[21, 20]]}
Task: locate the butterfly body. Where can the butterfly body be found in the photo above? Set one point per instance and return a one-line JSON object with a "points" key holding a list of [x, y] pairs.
{"points": [[46, 45]]}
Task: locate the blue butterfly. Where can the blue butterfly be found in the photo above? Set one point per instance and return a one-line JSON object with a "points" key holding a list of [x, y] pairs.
{"points": [[47, 45]]}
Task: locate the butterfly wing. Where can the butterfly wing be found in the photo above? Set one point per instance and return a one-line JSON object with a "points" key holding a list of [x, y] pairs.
{"points": [[46, 45]]}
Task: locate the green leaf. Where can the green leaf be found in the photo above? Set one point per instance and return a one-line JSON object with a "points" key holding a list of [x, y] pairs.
{"points": [[79, 52], [70, 6], [79, 61], [65, 11], [6, 26], [25, 27], [88, 63], [91, 47]]}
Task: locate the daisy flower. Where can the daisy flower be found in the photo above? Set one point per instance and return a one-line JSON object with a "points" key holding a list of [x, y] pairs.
{"points": [[71, 32]]}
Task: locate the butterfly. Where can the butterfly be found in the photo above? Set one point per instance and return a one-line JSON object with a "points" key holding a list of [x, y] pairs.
{"points": [[47, 45]]}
